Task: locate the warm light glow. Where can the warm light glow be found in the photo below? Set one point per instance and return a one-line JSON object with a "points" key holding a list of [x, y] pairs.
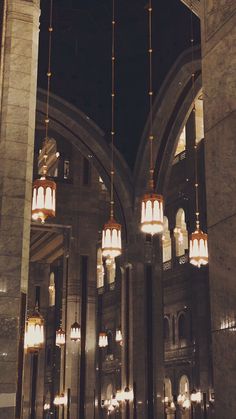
{"points": [[186, 404], [196, 396], [118, 336], [75, 333], [128, 394], [102, 340], [111, 239], [46, 406], [60, 337], [152, 214], [60, 400], [44, 199], [114, 402], [198, 249], [34, 334], [119, 396]]}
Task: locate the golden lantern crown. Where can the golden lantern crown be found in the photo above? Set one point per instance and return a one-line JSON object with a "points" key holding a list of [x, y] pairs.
{"points": [[102, 340], [44, 190], [198, 248], [152, 220], [111, 239], [75, 332], [34, 334], [111, 234], [60, 337]]}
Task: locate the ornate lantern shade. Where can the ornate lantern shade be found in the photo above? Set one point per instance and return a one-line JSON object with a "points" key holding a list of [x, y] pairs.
{"points": [[34, 335], [152, 214], [60, 337], [44, 199], [75, 332], [111, 239], [198, 249], [118, 336], [102, 340]]}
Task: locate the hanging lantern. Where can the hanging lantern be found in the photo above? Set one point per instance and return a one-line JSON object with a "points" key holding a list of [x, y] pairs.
{"points": [[60, 337], [128, 394], [119, 396], [44, 199], [75, 332], [34, 334], [60, 400], [111, 239], [198, 249], [118, 336], [152, 214], [102, 340]]}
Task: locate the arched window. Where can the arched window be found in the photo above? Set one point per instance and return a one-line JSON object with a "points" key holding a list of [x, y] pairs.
{"points": [[111, 270], [182, 327], [100, 269], [51, 289], [166, 242], [181, 146], [181, 233], [168, 389], [184, 386], [50, 149], [166, 329]]}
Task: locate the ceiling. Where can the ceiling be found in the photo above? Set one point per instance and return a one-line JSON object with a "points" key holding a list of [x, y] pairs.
{"points": [[81, 58]]}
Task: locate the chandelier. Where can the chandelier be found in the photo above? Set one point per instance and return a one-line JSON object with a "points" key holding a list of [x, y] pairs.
{"points": [[102, 340], [34, 334], [44, 189], [111, 234], [198, 247], [152, 219], [60, 337]]}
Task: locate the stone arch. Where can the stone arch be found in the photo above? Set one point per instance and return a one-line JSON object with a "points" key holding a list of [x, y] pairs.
{"points": [[172, 108], [89, 139]]}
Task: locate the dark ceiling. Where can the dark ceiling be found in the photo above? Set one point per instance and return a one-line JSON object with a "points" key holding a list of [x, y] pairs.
{"points": [[81, 58]]}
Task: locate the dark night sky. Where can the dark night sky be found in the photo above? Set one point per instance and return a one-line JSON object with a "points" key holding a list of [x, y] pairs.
{"points": [[81, 58]]}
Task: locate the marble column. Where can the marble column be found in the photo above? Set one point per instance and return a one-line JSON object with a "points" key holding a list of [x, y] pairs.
{"points": [[18, 93], [219, 84]]}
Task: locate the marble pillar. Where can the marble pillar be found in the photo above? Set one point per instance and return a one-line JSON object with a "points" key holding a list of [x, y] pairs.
{"points": [[18, 94], [219, 86]]}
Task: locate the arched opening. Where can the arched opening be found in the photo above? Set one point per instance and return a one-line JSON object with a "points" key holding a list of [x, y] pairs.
{"points": [[166, 242], [180, 233], [181, 145], [182, 327], [110, 270], [184, 397], [52, 290], [199, 122], [49, 149]]}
